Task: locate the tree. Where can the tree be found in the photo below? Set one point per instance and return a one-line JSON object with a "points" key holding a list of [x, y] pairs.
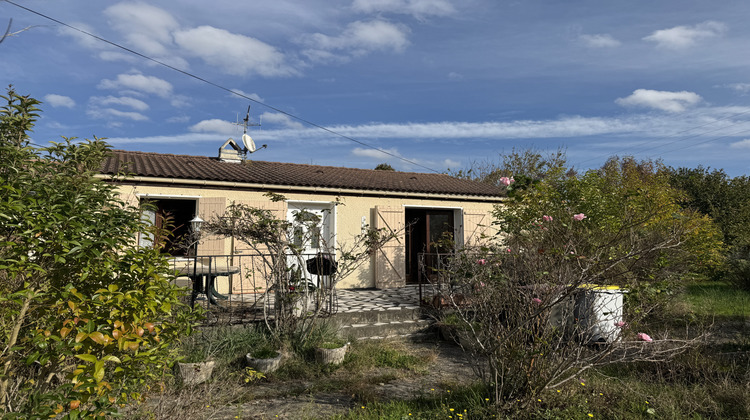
{"points": [[86, 317], [525, 166], [278, 243], [727, 201], [384, 167], [523, 306]]}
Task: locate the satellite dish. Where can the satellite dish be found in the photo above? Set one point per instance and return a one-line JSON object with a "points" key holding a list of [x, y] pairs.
{"points": [[248, 142]]}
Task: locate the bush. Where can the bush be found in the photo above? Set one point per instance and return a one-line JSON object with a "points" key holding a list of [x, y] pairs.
{"points": [[525, 302], [88, 318]]}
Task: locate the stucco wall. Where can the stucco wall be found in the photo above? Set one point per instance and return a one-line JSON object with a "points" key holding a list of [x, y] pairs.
{"points": [[348, 215]]}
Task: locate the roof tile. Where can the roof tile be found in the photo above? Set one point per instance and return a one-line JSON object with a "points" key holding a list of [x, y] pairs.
{"points": [[289, 174]]}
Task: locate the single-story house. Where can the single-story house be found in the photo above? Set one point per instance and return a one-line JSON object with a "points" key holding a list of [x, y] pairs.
{"points": [[433, 205]]}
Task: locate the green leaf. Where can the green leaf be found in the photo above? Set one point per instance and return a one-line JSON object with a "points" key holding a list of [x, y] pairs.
{"points": [[110, 358], [99, 371], [87, 357]]}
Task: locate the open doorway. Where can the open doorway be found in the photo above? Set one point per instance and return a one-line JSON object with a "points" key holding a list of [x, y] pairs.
{"points": [[172, 218], [430, 231]]}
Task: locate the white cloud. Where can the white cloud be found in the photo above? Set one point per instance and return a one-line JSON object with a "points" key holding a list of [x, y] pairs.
{"points": [[182, 119], [375, 154], [281, 119], [82, 39], [360, 38], [139, 82], [416, 8], [742, 144], [119, 56], [656, 99], [59, 100], [570, 127], [109, 113], [599, 41], [234, 54], [450, 163], [133, 103], [743, 88], [214, 126], [145, 27], [455, 76], [682, 37], [254, 96], [180, 101]]}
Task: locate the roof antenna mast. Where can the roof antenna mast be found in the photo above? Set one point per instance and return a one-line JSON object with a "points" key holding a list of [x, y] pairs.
{"points": [[247, 141]]}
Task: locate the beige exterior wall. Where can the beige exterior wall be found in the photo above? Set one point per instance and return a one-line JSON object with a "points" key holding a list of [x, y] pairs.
{"points": [[349, 218]]}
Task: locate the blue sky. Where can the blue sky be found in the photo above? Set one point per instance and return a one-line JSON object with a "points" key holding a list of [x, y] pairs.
{"points": [[442, 83]]}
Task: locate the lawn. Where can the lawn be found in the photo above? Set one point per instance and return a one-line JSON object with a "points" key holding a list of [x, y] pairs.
{"points": [[716, 298]]}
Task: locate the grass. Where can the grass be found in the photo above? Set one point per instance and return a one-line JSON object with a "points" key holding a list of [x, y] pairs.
{"points": [[716, 298], [704, 383]]}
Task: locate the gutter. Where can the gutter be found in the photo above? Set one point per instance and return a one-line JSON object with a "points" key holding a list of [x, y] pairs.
{"points": [[293, 188]]}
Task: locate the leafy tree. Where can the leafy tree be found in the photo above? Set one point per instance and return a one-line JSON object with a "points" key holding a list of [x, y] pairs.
{"points": [[525, 166], [727, 201], [86, 317], [384, 167]]}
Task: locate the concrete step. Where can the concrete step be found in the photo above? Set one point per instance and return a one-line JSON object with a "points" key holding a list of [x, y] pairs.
{"points": [[390, 314], [386, 329]]}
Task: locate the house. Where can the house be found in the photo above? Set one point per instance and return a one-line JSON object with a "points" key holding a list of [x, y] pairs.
{"points": [[432, 205]]}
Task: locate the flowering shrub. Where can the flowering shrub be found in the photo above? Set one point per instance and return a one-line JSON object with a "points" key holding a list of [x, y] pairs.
{"points": [[528, 309]]}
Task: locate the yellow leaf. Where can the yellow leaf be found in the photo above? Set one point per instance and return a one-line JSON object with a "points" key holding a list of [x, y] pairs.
{"points": [[98, 337], [81, 336]]}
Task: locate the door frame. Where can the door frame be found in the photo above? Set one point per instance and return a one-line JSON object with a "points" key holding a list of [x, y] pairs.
{"points": [[411, 256]]}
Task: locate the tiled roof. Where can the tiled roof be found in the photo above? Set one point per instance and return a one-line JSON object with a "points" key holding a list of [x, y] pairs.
{"points": [[289, 174]]}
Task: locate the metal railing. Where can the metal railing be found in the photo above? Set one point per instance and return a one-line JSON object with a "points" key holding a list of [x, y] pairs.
{"points": [[433, 275], [240, 288]]}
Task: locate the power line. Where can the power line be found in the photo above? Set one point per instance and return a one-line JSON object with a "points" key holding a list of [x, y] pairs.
{"points": [[216, 85]]}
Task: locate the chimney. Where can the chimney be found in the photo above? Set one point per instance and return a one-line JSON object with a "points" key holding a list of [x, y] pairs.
{"points": [[230, 155]]}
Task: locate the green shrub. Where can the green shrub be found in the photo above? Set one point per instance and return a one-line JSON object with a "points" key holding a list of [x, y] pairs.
{"points": [[87, 318]]}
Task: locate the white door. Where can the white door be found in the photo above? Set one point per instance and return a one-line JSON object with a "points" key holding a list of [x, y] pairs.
{"points": [[311, 234]]}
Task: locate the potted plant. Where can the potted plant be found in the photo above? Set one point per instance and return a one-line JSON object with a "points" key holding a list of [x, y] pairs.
{"points": [[300, 296], [264, 359], [331, 352], [196, 364]]}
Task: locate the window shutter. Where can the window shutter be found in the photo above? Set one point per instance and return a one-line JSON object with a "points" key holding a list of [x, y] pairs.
{"points": [[390, 260], [208, 209], [476, 226]]}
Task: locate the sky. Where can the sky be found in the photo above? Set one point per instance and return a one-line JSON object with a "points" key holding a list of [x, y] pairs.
{"points": [[437, 85]]}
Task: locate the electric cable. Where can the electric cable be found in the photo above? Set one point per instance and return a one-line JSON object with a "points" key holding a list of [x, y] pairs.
{"points": [[218, 86]]}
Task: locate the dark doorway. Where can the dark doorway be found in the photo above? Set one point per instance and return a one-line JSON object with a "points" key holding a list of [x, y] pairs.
{"points": [[429, 231], [172, 218]]}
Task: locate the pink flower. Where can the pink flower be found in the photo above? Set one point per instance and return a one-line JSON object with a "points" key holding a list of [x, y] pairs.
{"points": [[645, 337], [621, 324], [505, 180], [537, 301], [508, 250], [547, 218], [481, 261], [578, 217]]}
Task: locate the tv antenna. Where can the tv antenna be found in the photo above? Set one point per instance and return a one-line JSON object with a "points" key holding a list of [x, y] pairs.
{"points": [[247, 141]]}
